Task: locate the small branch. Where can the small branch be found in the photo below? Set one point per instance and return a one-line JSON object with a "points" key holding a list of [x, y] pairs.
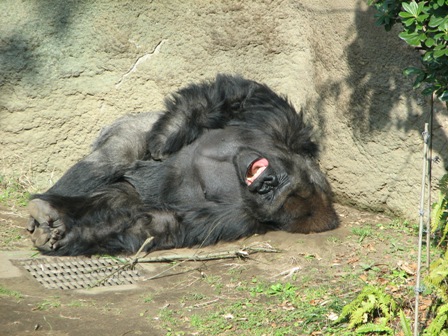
{"points": [[203, 304], [146, 242], [240, 253]]}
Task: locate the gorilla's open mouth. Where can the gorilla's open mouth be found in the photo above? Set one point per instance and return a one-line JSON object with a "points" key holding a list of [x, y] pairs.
{"points": [[256, 168]]}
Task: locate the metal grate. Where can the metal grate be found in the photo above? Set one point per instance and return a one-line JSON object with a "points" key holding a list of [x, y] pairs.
{"points": [[78, 273]]}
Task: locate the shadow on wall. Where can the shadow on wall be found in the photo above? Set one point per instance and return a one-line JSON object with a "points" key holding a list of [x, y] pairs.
{"points": [[20, 49], [376, 61]]}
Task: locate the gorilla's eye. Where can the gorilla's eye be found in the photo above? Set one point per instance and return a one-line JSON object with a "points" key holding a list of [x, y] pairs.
{"points": [[255, 169]]}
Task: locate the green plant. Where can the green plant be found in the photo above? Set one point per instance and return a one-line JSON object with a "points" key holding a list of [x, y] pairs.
{"points": [[7, 292], [49, 304], [439, 216], [370, 312], [362, 232], [148, 298], [425, 27], [284, 291], [14, 190], [437, 277], [405, 324], [438, 325]]}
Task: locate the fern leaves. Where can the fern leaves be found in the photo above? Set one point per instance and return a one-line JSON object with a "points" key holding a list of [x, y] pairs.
{"points": [[372, 304]]}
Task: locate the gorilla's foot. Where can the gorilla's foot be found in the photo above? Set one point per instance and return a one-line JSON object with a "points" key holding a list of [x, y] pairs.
{"points": [[47, 230]]}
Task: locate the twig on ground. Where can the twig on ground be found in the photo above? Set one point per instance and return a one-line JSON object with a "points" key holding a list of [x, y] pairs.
{"points": [[242, 253], [289, 273], [135, 259], [203, 304]]}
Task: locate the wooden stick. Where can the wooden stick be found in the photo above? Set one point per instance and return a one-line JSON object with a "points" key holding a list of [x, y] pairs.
{"points": [[240, 253]]}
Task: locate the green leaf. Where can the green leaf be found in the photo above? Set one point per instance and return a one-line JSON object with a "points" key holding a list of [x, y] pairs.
{"points": [[422, 17], [405, 15], [412, 39], [370, 328], [411, 71], [411, 7], [439, 53], [409, 22], [435, 21], [444, 96], [429, 42], [428, 91], [421, 7], [405, 325], [427, 56], [418, 81]]}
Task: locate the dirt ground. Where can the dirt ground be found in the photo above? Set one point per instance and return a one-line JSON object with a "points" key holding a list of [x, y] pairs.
{"points": [[363, 240]]}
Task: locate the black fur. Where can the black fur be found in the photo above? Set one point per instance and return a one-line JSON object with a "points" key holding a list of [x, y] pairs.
{"points": [[186, 180]]}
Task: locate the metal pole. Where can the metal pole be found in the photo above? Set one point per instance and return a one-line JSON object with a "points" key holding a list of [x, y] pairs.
{"points": [[420, 231], [429, 159]]}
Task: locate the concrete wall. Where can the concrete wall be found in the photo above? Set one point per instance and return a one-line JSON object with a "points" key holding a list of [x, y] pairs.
{"points": [[67, 68]]}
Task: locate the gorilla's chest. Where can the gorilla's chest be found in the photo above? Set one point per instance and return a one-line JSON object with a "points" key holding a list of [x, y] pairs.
{"points": [[208, 168]]}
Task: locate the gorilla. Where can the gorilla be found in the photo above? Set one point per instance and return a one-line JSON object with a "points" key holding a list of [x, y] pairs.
{"points": [[228, 158]]}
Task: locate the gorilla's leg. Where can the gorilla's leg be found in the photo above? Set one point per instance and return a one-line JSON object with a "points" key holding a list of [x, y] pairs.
{"points": [[111, 220], [116, 148]]}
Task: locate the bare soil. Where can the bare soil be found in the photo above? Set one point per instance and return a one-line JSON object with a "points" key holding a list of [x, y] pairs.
{"points": [[364, 240]]}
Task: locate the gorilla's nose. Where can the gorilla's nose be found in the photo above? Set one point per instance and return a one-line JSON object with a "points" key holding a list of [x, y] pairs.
{"points": [[264, 183]]}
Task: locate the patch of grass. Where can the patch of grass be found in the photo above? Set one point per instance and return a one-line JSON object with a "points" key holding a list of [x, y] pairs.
{"points": [[10, 235], [147, 298], [400, 225], [362, 232], [11, 293], [193, 297], [14, 191], [48, 304], [215, 281], [171, 321], [334, 240], [262, 308], [264, 316]]}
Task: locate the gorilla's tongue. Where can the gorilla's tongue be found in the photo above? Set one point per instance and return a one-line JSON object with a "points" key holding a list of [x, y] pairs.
{"points": [[255, 169]]}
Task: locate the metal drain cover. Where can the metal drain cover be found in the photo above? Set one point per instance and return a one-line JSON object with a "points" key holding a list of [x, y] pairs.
{"points": [[78, 273]]}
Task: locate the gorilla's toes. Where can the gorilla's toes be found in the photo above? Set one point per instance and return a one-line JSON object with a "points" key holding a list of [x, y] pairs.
{"points": [[46, 228], [47, 237], [40, 235]]}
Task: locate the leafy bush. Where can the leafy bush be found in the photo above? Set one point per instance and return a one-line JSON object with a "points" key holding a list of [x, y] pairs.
{"points": [[425, 27]]}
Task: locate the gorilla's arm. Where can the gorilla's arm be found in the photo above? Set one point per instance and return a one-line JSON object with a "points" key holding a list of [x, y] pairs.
{"points": [[228, 100], [191, 110], [115, 149]]}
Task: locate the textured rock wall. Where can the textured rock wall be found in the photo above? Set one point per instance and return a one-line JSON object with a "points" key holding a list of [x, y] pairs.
{"points": [[67, 68]]}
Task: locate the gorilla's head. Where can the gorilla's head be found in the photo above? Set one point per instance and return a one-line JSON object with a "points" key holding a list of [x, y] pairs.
{"points": [[280, 189], [286, 191]]}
